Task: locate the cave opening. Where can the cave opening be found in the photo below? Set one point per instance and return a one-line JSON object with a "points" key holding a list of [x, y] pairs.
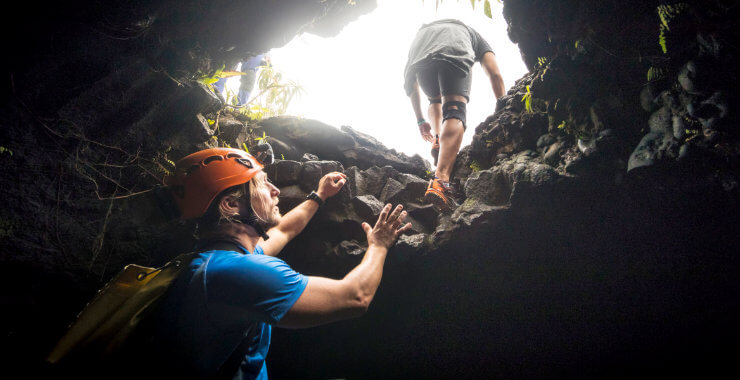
{"points": [[356, 77]]}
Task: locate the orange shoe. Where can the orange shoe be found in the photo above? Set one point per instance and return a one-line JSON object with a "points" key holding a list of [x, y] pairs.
{"points": [[435, 149], [441, 195]]}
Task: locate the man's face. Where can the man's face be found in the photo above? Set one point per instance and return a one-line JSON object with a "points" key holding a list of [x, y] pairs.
{"points": [[265, 201]]}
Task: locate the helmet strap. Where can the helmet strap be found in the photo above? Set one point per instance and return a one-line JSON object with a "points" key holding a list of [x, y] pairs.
{"points": [[251, 218]]}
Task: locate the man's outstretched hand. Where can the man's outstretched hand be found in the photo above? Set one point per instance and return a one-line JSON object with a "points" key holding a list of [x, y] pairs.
{"points": [[330, 184], [388, 227], [426, 132]]}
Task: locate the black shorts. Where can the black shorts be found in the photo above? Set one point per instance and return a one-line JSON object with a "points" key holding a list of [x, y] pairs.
{"points": [[443, 78]]}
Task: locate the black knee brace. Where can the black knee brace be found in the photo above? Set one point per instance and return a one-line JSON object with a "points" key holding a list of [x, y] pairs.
{"points": [[454, 110]]}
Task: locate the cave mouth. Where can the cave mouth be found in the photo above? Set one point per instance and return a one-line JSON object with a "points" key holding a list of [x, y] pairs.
{"points": [[356, 77]]}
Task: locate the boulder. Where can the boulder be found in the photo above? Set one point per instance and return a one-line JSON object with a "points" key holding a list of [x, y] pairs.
{"points": [[367, 207], [285, 172]]}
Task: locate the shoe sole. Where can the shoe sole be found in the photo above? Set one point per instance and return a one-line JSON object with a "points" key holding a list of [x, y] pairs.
{"points": [[438, 202]]}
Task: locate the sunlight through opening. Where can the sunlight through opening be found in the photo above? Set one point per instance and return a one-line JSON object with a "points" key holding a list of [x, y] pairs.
{"points": [[356, 78]]}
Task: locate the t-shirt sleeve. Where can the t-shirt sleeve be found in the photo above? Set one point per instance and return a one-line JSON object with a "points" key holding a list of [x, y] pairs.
{"points": [[261, 287], [480, 45]]}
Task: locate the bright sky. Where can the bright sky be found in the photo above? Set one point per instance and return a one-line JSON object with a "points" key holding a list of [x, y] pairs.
{"points": [[356, 78]]}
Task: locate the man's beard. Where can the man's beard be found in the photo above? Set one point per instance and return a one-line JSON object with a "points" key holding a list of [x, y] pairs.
{"points": [[272, 219]]}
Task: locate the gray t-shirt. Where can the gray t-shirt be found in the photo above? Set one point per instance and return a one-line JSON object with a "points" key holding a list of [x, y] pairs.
{"points": [[446, 40]]}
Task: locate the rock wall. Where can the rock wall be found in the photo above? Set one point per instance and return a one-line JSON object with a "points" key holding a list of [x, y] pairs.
{"points": [[598, 217]]}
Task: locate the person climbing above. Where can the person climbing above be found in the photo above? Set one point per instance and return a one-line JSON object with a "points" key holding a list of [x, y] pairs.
{"points": [[249, 67], [216, 319], [439, 61]]}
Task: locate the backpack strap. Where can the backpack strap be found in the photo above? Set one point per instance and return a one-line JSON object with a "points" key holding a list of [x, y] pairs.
{"points": [[232, 363], [222, 244]]}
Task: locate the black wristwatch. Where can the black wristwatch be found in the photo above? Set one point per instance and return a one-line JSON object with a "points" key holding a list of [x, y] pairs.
{"points": [[315, 197]]}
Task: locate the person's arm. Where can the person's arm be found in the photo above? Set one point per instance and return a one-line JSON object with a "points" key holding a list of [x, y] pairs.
{"points": [[424, 127], [488, 63], [292, 223], [326, 300]]}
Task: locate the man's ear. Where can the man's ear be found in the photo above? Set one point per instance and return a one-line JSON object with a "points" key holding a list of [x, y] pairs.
{"points": [[229, 205]]}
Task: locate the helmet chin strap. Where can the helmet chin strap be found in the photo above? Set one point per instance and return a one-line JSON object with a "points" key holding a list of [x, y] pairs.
{"points": [[253, 221], [251, 218]]}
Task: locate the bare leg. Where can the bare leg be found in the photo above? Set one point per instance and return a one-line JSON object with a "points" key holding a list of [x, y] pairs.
{"points": [[449, 141]]}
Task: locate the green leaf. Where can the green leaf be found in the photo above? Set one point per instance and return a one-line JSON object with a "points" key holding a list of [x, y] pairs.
{"points": [[229, 74], [662, 42], [487, 9], [245, 147]]}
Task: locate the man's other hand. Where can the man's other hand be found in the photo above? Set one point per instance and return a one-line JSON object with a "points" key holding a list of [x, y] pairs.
{"points": [[330, 184], [426, 132], [388, 227]]}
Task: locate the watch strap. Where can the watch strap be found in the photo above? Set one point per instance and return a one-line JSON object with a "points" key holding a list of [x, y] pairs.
{"points": [[315, 197]]}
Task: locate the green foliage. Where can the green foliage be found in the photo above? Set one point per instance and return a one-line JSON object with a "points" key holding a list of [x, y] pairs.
{"points": [[666, 13], [162, 163], [486, 6], [655, 73], [232, 98], [691, 135], [275, 94], [661, 40], [475, 166], [487, 9], [527, 99], [543, 63], [562, 125], [219, 74], [5, 150]]}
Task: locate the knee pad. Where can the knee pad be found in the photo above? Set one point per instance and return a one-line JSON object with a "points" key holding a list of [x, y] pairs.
{"points": [[454, 110], [432, 101]]}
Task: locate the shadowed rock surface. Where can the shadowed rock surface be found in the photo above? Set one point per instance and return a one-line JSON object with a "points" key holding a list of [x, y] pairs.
{"points": [[598, 222]]}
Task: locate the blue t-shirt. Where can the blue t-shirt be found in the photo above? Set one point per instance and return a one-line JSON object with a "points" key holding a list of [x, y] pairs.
{"points": [[222, 298]]}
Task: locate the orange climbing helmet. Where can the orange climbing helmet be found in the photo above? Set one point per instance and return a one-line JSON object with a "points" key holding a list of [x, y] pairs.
{"points": [[201, 176]]}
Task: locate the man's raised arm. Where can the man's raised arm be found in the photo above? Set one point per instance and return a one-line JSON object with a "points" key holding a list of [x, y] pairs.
{"points": [[424, 127], [490, 67], [326, 300], [292, 223]]}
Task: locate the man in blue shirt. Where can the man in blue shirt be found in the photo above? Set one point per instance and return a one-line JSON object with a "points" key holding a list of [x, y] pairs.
{"points": [[216, 319]]}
